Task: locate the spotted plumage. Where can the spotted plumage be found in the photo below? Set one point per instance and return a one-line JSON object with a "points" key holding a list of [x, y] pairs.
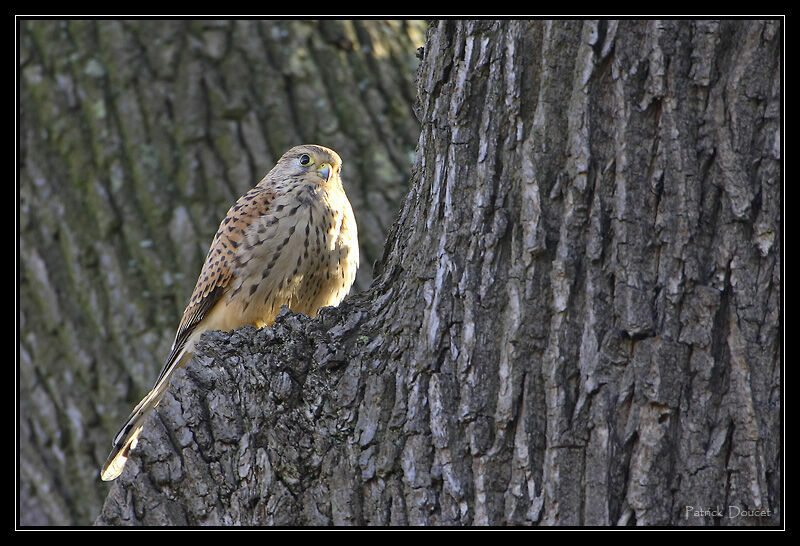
{"points": [[291, 240]]}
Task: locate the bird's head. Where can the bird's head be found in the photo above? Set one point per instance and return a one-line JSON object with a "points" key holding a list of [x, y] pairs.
{"points": [[317, 163]]}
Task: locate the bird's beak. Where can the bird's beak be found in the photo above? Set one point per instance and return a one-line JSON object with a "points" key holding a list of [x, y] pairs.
{"points": [[324, 171]]}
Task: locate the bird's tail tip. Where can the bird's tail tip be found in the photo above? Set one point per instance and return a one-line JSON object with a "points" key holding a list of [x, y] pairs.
{"points": [[118, 457]]}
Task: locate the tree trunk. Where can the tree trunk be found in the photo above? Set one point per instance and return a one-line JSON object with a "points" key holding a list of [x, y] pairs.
{"points": [[135, 138]]}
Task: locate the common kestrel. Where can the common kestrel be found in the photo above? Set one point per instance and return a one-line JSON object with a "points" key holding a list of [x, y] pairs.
{"points": [[291, 240]]}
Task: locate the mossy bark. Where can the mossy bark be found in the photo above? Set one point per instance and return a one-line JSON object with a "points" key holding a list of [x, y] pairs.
{"points": [[135, 138]]}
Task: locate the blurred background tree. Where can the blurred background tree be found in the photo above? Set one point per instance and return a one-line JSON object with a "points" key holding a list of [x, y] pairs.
{"points": [[134, 139]]}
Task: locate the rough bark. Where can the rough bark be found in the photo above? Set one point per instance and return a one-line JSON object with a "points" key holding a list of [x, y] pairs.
{"points": [[576, 320], [135, 137]]}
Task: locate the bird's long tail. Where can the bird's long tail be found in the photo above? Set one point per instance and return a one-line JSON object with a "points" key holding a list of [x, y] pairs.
{"points": [[128, 435]]}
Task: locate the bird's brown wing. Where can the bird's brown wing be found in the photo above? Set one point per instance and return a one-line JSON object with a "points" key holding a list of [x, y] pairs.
{"points": [[219, 267], [218, 270]]}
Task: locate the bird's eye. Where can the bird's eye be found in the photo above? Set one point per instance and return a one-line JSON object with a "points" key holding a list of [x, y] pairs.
{"points": [[305, 159]]}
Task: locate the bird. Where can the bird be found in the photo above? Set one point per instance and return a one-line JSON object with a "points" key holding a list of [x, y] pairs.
{"points": [[290, 240]]}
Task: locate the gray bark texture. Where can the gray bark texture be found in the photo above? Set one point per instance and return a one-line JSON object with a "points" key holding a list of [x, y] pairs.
{"points": [[134, 138], [576, 319]]}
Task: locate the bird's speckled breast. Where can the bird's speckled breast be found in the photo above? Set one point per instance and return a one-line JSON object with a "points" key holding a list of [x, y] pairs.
{"points": [[303, 254]]}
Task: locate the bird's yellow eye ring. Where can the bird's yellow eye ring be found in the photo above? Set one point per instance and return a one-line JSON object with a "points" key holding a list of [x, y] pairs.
{"points": [[305, 159]]}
